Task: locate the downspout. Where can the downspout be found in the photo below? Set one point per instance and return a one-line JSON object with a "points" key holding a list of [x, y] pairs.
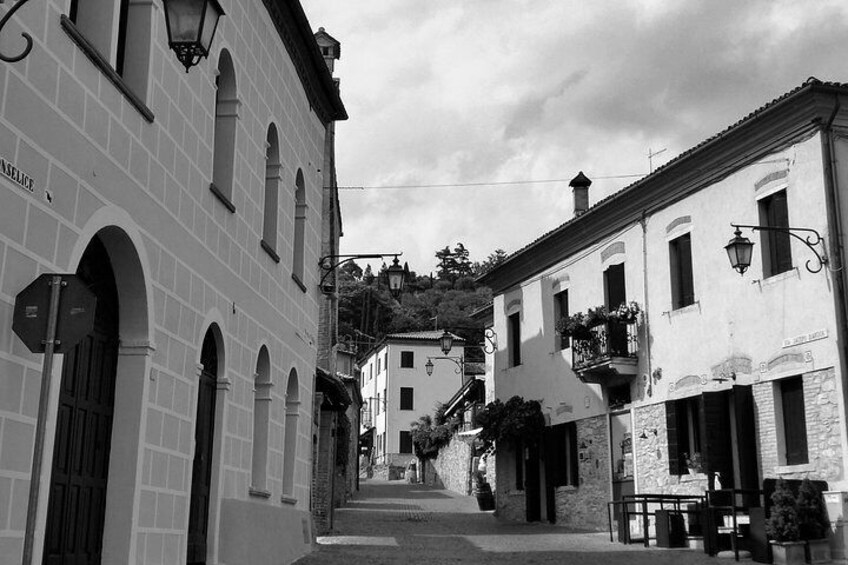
{"points": [[837, 250], [643, 221]]}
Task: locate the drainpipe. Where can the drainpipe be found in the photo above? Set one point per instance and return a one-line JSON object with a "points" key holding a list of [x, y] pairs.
{"points": [[643, 221], [837, 250]]}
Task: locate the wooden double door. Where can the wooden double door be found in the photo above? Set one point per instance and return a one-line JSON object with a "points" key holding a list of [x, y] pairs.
{"points": [[80, 467]]}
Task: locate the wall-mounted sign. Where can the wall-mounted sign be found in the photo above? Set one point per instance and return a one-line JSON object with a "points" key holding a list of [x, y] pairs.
{"points": [[806, 338], [16, 175]]}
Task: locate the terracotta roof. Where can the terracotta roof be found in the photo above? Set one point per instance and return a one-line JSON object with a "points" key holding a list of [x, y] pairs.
{"points": [[661, 171], [429, 336]]}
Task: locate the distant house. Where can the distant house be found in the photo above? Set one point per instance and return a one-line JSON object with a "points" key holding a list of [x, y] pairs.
{"points": [[396, 391], [748, 372]]}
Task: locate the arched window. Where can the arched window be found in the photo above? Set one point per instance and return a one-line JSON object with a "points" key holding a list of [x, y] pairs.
{"points": [[290, 446], [299, 227], [120, 33], [261, 414], [272, 189], [226, 117]]}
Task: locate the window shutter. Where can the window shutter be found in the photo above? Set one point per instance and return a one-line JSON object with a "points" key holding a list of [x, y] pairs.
{"points": [[746, 443], [674, 464]]}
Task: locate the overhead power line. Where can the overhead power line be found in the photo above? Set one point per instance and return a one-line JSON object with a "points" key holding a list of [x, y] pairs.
{"points": [[492, 183]]}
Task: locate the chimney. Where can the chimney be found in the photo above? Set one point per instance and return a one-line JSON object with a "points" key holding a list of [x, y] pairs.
{"points": [[581, 185], [330, 48]]}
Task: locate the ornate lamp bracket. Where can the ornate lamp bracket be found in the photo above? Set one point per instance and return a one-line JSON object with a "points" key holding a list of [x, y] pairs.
{"points": [[27, 37], [812, 240]]}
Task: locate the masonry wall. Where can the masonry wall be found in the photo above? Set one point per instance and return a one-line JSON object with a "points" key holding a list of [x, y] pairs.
{"points": [[585, 506], [453, 465]]}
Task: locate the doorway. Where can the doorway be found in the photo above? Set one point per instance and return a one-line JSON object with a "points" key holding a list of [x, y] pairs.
{"points": [[80, 468], [621, 454], [615, 294], [201, 482]]}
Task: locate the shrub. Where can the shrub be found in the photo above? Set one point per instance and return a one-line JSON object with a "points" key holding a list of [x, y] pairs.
{"points": [[782, 524], [516, 419], [812, 516]]}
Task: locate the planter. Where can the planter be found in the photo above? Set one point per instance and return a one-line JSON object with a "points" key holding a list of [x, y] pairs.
{"points": [[818, 551], [788, 552], [485, 498]]}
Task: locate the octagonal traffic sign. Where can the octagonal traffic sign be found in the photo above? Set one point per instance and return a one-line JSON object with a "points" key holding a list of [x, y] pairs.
{"points": [[75, 315]]}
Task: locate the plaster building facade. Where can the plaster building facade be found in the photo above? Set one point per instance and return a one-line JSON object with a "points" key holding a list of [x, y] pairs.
{"points": [[179, 430], [396, 391], [748, 372]]}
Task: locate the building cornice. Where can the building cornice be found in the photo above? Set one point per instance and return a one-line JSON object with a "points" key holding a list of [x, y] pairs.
{"points": [[321, 90], [780, 123]]}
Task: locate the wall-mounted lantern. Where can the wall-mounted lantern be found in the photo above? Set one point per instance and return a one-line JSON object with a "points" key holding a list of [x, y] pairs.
{"points": [[191, 27]]}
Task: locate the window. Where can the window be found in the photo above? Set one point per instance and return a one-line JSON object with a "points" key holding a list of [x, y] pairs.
{"points": [[377, 409], [226, 118], [562, 445], [514, 339], [777, 255], [561, 311], [794, 421], [120, 34], [407, 359], [272, 186], [684, 432], [405, 442], [261, 414], [300, 228], [406, 396], [379, 365], [682, 282]]}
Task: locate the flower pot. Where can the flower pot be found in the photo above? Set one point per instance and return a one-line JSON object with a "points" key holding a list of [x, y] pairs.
{"points": [[788, 552], [818, 551]]}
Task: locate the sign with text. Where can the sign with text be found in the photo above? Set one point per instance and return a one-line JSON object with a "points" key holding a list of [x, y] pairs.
{"points": [[806, 338], [17, 176]]}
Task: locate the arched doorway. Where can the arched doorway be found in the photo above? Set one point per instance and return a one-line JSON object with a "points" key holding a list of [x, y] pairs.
{"points": [[80, 468], [201, 482]]}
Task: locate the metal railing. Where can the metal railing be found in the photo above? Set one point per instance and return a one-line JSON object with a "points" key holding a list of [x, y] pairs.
{"points": [[610, 339]]}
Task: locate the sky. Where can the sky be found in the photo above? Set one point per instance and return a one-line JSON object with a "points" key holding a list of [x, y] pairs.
{"points": [[464, 92]]}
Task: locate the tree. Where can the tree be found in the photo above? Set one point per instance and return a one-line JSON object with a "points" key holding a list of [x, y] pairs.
{"points": [[492, 261]]}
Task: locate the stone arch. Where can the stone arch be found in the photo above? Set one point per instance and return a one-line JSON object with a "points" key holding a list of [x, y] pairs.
{"points": [[299, 240], [273, 179], [224, 139], [116, 235]]}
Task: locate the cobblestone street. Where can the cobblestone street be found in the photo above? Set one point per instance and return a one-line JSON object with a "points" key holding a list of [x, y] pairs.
{"points": [[396, 522]]}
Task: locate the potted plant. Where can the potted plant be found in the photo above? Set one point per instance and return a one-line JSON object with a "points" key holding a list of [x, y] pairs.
{"points": [[813, 524], [695, 463], [782, 527]]}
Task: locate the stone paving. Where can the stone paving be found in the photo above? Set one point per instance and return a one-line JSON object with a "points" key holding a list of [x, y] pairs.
{"points": [[396, 522]]}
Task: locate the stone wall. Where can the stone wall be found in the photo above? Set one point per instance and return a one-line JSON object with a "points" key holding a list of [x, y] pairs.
{"points": [[509, 500], [585, 506], [821, 399], [452, 467], [652, 465]]}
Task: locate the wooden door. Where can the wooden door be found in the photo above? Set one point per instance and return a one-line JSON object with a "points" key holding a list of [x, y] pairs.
{"points": [[201, 481], [615, 294], [80, 467], [718, 440]]}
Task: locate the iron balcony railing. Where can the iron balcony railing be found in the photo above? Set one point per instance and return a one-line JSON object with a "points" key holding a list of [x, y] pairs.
{"points": [[610, 339]]}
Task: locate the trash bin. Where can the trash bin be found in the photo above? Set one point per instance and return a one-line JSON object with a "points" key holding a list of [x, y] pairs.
{"points": [[671, 531]]}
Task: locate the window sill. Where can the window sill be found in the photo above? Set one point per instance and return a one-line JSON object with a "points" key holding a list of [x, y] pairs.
{"points": [[288, 500], [790, 469], [690, 478], [298, 282], [258, 492], [772, 280], [223, 198], [269, 250], [683, 310], [566, 488], [101, 63]]}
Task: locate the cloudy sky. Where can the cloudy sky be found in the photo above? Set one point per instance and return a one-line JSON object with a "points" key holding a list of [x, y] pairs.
{"points": [[509, 91]]}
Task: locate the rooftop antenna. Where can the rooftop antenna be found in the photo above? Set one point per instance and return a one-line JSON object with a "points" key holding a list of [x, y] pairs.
{"points": [[651, 155]]}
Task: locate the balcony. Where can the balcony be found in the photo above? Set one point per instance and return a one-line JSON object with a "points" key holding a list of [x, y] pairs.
{"points": [[609, 356]]}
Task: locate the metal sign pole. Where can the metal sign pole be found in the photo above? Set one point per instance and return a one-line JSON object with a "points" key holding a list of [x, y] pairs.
{"points": [[43, 402]]}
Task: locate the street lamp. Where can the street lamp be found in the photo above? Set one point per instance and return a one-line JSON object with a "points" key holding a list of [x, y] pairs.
{"points": [[739, 249], [395, 272], [191, 25]]}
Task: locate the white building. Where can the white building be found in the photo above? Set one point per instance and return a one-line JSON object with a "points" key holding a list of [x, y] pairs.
{"points": [[749, 372], [396, 391], [180, 429]]}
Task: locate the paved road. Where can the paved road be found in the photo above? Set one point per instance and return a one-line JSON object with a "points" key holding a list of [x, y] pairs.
{"points": [[395, 522]]}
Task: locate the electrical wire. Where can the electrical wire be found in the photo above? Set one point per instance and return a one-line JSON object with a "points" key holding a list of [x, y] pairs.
{"points": [[472, 184]]}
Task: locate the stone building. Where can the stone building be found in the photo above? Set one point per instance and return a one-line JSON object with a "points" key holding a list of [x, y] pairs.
{"points": [[191, 203], [748, 372]]}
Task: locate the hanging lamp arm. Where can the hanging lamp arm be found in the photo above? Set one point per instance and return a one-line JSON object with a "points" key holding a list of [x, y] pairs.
{"points": [[27, 37]]}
